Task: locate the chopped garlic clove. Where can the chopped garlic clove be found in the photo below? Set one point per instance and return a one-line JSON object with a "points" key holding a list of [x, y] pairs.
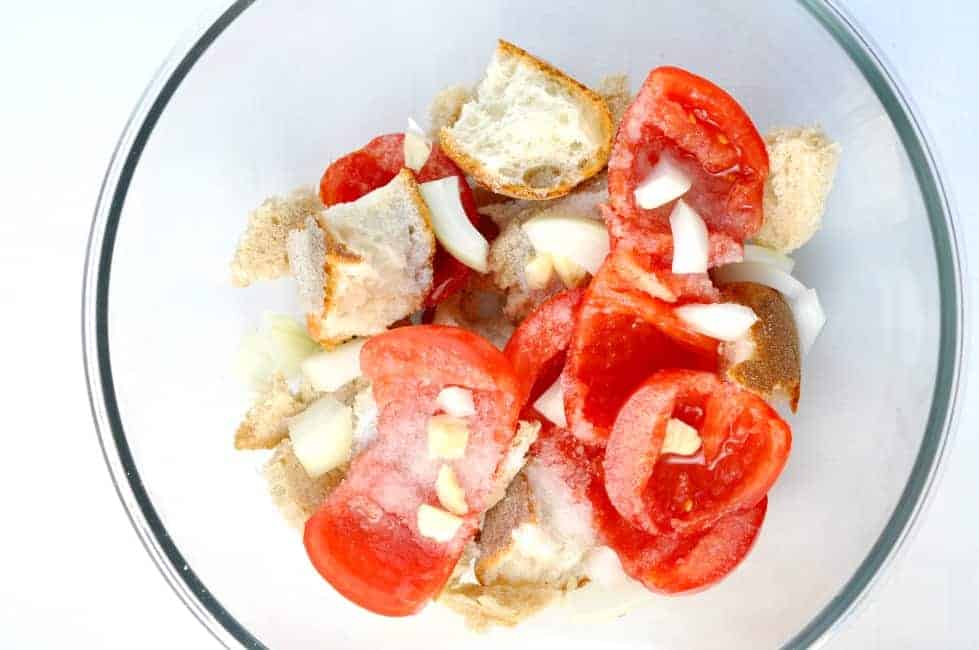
{"points": [[437, 524], [456, 401], [450, 493], [447, 437], [665, 182], [539, 271]]}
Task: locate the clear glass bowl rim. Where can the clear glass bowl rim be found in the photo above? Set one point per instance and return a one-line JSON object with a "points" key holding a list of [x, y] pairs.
{"points": [[133, 494]]}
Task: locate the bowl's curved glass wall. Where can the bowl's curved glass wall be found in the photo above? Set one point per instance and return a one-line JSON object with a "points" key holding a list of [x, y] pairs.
{"points": [[290, 85]]}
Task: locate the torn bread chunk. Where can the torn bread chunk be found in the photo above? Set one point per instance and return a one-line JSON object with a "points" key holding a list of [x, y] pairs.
{"points": [[446, 107], [530, 131], [511, 252], [515, 459], [499, 605], [261, 252], [802, 163], [766, 360], [535, 535], [264, 425], [363, 265], [295, 494]]}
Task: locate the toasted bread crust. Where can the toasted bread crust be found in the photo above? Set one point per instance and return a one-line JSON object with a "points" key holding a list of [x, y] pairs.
{"points": [[774, 365], [474, 168]]}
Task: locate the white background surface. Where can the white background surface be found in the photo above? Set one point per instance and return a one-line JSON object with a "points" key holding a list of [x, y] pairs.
{"points": [[72, 572]]}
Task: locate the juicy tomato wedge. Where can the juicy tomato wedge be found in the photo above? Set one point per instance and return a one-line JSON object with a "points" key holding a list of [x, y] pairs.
{"points": [[667, 563], [680, 563], [707, 134], [745, 446], [365, 540], [354, 175], [621, 337], [537, 348]]}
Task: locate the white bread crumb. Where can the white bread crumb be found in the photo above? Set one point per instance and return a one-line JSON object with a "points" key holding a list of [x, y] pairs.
{"points": [[295, 494], [264, 425], [802, 164], [261, 252]]}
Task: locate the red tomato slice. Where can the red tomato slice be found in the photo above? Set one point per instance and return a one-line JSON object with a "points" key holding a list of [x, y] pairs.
{"points": [[365, 539], [621, 337], [349, 178], [745, 446], [681, 563], [672, 563], [536, 349], [708, 135]]}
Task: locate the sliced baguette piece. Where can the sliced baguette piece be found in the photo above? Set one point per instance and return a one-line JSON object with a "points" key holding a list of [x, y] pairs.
{"points": [[364, 265], [530, 131], [766, 360]]}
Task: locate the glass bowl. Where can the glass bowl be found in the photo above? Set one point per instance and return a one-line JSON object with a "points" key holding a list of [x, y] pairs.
{"points": [[258, 100]]}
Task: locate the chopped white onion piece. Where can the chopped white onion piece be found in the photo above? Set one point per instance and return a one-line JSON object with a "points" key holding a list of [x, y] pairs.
{"points": [[582, 240], [691, 245], [448, 437], [726, 321], [322, 435], [417, 148], [680, 438], [806, 309], [329, 370], [664, 183], [451, 225], [281, 344], [759, 273], [456, 401], [571, 274], [765, 255], [551, 404], [809, 319], [539, 271]]}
